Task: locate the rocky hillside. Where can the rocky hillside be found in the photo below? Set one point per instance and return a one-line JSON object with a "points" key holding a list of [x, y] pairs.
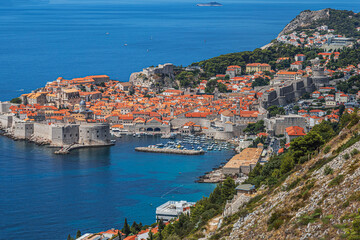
{"points": [[305, 19], [318, 200], [343, 22]]}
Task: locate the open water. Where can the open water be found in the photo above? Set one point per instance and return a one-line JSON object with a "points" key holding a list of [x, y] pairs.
{"points": [[43, 196]]}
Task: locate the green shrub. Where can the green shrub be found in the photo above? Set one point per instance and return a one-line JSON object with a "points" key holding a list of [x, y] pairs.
{"points": [[354, 152], [328, 170], [16, 100], [293, 184], [354, 139], [346, 156], [336, 181], [306, 219], [276, 219], [327, 149]]}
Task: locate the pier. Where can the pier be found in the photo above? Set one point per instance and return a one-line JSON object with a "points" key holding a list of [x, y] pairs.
{"points": [[169, 151]]}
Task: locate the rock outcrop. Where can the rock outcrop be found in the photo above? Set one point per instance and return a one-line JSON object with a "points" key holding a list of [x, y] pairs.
{"points": [[304, 19]]}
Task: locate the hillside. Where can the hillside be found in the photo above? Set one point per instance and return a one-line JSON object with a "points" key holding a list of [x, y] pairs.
{"points": [[305, 19], [311, 191], [343, 22], [319, 199]]}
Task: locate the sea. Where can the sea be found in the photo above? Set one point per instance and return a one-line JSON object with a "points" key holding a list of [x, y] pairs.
{"points": [[45, 196]]}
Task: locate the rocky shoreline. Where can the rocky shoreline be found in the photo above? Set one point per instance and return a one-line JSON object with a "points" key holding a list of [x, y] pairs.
{"points": [[37, 141]]}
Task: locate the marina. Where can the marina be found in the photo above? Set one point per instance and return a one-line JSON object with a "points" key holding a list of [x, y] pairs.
{"points": [[187, 145]]}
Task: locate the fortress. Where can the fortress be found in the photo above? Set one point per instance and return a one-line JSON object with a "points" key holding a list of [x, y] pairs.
{"points": [[57, 135], [290, 91]]}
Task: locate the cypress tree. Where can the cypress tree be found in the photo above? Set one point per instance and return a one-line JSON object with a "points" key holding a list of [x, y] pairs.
{"points": [[151, 235], [78, 234], [126, 228]]}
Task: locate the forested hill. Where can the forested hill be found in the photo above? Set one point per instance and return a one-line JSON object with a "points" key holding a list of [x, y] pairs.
{"points": [[270, 55], [342, 21]]}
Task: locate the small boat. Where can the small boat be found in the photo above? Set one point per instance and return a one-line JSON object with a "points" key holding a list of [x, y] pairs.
{"points": [[125, 44]]}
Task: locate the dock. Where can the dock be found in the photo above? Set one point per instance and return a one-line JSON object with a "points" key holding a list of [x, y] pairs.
{"points": [[169, 151]]}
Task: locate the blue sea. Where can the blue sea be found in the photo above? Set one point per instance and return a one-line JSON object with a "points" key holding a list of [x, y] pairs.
{"points": [[44, 196]]}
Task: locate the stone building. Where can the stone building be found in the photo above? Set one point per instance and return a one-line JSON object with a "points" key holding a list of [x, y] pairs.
{"points": [[293, 132], [257, 67], [94, 134], [318, 76], [167, 69], [125, 86], [5, 107], [6, 121], [233, 71], [278, 125], [37, 98], [65, 134], [243, 162]]}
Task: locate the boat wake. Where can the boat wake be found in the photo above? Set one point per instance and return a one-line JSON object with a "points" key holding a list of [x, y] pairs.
{"points": [[171, 191]]}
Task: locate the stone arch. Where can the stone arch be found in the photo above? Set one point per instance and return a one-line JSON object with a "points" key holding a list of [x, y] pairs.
{"points": [[150, 129], [157, 129]]}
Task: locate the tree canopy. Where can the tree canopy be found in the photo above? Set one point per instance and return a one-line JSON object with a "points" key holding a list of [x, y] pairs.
{"points": [[255, 128]]}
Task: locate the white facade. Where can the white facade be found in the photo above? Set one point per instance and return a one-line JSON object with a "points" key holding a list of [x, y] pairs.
{"points": [[172, 209]]}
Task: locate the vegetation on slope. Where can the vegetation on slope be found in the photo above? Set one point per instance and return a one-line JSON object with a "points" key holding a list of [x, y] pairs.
{"points": [[344, 22], [348, 56], [270, 55], [204, 210]]}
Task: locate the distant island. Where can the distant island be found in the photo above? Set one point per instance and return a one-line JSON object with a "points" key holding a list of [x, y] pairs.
{"points": [[210, 4]]}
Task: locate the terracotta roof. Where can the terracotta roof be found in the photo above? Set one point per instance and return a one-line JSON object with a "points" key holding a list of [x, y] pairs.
{"points": [[295, 131]]}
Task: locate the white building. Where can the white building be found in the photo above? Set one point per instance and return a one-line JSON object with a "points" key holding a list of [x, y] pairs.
{"points": [[172, 209]]}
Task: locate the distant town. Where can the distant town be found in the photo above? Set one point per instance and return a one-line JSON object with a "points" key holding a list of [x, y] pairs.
{"points": [[258, 108]]}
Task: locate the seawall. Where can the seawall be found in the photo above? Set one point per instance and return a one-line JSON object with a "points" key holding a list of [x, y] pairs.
{"points": [[169, 151]]}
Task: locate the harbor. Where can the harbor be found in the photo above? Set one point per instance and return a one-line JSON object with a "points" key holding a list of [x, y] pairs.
{"points": [[187, 145]]}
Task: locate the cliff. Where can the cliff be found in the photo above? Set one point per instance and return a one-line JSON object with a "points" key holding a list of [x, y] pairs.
{"points": [[305, 19]]}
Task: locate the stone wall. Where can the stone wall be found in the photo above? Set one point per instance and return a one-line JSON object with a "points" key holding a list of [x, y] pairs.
{"points": [[64, 134], [179, 122], [277, 126], [98, 134], [5, 107], [6, 121], [42, 131], [282, 95], [23, 130]]}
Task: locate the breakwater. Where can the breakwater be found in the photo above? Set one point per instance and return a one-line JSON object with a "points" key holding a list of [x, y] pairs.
{"points": [[169, 151]]}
